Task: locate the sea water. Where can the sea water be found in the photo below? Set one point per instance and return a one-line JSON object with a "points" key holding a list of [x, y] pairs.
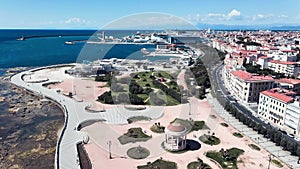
{"points": [[47, 47]]}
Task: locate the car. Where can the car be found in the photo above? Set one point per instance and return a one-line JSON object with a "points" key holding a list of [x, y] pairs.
{"points": [[297, 138], [290, 135]]}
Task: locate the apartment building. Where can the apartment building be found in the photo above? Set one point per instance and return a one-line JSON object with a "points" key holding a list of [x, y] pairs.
{"points": [[246, 87], [289, 84], [287, 68], [273, 104], [292, 118]]}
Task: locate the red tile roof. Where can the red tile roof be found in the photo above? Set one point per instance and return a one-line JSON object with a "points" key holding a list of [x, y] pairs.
{"points": [[246, 76], [289, 81], [280, 96], [283, 62], [288, 51], [176, 127]]}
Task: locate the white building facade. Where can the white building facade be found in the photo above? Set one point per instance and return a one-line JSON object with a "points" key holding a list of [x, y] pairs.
{"points": [[273, 105]]}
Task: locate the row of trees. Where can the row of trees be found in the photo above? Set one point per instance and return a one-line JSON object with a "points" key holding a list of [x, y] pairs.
{"points": [[270, 132], [200, 74], [256, 69]]}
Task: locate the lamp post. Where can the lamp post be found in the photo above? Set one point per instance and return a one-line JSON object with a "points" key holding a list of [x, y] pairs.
{"points": [[74, 90], [109, 149], [270, 158], [189, 108]]}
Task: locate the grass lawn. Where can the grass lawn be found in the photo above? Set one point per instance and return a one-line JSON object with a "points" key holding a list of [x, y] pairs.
{"points": [[171, 101], [195, 165], [213, 116], [161, 164], [138, 152], [143, 96], [133, 135], [239, 135], [277, 163], [138, 118], [224, 124], [163, 73], [254, 147], [210, 140], [191, 125], [144, 78], [228, 161]]}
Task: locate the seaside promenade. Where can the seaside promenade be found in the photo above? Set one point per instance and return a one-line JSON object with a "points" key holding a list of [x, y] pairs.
{"points": [[76, 114]]}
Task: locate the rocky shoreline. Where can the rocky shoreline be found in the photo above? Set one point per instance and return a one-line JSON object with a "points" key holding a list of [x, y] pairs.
{"points": [[28, 128]]}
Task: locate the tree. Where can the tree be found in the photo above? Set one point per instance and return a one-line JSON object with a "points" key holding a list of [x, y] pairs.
{"points": [[277, 138], [271, 133], [298, 151], [115, 87], [135, 88], [106, 98], [292, 147], [283, 143], [123, 98], [136, 100]]}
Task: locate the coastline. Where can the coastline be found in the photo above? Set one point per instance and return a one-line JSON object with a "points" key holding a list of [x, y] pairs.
{"points": [[33, 124]]}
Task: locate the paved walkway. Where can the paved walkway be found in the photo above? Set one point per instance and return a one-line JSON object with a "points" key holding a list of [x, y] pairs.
{"points": [[75, 113], [277, 151]]}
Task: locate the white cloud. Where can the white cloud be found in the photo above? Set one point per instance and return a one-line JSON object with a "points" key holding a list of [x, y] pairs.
{"points": [[260, 16], [282, 16], [75, 20], [215, 15], [233, 13]]}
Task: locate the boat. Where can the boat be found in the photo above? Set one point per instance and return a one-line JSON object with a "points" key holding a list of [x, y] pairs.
{"points": [[69, 43], [144, 51], [21, 38]]}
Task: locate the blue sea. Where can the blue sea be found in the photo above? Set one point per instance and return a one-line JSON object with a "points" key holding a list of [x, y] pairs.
{"points": [[47, 47]]}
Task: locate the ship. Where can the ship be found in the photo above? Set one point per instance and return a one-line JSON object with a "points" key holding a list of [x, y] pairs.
{"points": [[21, 38]]}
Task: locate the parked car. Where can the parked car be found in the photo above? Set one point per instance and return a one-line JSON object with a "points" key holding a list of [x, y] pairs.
{"points": [[297, 138], [290, 135]]}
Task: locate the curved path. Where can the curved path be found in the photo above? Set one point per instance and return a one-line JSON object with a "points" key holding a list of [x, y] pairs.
{"points": [[75, 114]]}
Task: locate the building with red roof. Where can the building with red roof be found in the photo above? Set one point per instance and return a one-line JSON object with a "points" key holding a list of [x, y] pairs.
{"points": [[290, 84], [285, 67], [273, 104], [246, 87]]}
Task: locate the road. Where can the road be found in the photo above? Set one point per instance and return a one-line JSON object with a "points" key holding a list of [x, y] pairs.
{"points": [[275, 150]]}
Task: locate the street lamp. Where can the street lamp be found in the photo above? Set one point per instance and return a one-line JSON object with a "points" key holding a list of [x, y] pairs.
{"points": [[109, 149], [74, 90], [189, 108], [270, 158]]}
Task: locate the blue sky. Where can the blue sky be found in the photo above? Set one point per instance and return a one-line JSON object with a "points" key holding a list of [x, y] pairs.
{"points": [[97, 13]]}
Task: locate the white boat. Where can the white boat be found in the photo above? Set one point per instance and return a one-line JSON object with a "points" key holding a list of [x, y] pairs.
{"points": [[144, 51], [21, 38], [69, 43]]}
